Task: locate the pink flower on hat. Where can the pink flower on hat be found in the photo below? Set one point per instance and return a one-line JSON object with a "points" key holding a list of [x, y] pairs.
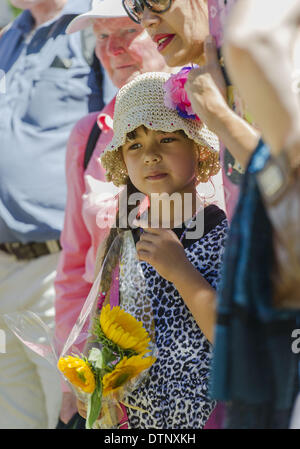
{"points": [[176, 96]]}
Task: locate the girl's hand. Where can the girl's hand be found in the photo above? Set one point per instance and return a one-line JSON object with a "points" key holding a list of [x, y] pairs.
{"points": [[206, 87], [160, 246]]}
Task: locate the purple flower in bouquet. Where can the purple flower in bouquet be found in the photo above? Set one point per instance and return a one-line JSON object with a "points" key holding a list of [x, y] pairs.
{"points": [[101, 299], [176, 96]]}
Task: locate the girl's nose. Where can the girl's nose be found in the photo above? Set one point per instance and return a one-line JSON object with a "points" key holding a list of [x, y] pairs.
{"points": [[152, 158], [149, 19]]}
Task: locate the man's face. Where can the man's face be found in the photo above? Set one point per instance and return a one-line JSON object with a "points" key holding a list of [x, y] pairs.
{"points": [[125, 49]]}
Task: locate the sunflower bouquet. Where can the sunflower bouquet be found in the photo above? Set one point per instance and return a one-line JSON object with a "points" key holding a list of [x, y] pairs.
{"points": [[106, 373], [120, 348]]}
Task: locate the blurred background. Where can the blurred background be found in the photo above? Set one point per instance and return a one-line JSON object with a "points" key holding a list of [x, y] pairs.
{"points": [[7, 13]]}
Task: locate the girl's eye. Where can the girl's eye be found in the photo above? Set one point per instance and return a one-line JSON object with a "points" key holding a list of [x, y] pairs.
{"points": [[135, 146], [101, 37], [132, 30], [167, 140]]}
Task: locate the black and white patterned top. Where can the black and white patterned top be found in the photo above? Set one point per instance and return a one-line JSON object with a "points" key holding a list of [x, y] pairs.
{"points": [[175, 394]]}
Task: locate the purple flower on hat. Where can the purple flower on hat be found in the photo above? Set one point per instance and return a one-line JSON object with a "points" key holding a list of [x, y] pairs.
{"points": [[176, 96]]}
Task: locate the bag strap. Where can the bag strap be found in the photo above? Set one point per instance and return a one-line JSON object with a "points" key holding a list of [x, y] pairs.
{"points": [[91, 144]]}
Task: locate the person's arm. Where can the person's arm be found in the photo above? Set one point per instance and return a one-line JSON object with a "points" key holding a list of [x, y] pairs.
{"points": [[206, 90], [70, 285], [262, 41], [259, 43], [198, 295]]}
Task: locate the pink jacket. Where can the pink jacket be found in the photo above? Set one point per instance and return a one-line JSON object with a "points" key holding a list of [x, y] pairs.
{"points": [[88, 195]]}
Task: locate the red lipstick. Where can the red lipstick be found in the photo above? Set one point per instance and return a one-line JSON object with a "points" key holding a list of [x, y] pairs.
{"points": [[163, 40]]}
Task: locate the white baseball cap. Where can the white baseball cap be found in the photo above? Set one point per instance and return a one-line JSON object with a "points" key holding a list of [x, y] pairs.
{"points": [[101, 9]]}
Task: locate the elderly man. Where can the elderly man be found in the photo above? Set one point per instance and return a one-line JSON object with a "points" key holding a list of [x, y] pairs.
{"points": [[125, 50], [49, 85]]}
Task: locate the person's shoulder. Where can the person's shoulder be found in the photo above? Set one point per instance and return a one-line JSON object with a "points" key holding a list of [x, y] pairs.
{"points": [[85, 124], [81, 131], [23, 20], [79, 137]]}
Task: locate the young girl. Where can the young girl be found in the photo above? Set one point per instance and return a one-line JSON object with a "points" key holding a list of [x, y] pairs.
{"points": [[155, 150]]}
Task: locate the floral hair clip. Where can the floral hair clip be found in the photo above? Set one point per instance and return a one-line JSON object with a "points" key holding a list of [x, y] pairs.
{"points": [[176, 96]]}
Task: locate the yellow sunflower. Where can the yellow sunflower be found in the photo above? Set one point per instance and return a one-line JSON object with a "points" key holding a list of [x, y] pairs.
{"points": [[123, 329], [78, 372], [125, 370]]}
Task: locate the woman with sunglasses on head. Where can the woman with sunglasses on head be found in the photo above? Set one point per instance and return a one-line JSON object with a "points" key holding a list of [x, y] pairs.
{"points": [[180, 28]]}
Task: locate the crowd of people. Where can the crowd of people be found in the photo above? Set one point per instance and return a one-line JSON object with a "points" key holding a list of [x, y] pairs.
{"points": [[129, 97]]}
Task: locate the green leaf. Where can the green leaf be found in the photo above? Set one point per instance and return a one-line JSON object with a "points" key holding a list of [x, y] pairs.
{"points": [[94, 406], [108, 356], [95, 357]]}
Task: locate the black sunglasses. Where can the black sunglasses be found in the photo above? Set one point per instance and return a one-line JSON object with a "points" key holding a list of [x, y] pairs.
{"points": [[135, 8]]}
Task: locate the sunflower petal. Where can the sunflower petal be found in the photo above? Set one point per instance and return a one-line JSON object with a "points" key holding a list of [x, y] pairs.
{"points": [[123, 329]]}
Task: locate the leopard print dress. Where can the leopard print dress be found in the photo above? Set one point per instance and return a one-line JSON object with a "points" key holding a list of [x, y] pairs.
{"points": [[174, 394]]}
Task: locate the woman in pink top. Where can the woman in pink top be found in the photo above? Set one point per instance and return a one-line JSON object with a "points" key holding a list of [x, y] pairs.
{"points": [[124, 50]]}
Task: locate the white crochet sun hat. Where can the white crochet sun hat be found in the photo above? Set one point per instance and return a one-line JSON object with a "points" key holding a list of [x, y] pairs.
{"points": [[141, 102]]}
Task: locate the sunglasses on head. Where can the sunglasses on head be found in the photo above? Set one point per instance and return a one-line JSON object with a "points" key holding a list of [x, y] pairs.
{"points": [[135, 8]]}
